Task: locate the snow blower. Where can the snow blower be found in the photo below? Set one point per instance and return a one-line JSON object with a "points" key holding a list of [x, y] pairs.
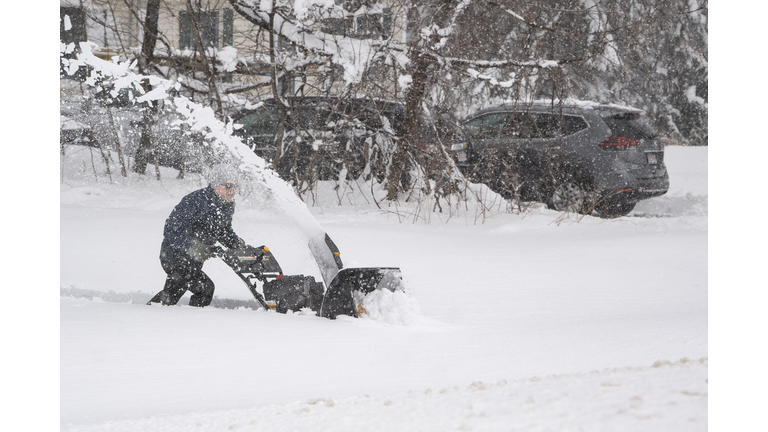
{"points": [[295, 292]]}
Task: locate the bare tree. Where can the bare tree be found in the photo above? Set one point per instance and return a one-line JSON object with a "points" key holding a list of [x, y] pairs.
{"points": [[445, 56], [149, 110]]}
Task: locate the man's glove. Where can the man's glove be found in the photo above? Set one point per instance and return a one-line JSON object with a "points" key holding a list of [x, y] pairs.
{"points": [[200, 251], [239, 244]]}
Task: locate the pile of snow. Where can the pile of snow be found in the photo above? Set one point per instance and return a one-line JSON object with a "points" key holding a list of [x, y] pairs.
{"points": [[391, 307]]}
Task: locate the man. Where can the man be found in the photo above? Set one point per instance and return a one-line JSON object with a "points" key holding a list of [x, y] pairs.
{"points": [[201, 219]]}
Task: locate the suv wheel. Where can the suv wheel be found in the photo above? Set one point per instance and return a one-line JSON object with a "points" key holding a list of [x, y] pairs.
{"points": [[568, 196]]}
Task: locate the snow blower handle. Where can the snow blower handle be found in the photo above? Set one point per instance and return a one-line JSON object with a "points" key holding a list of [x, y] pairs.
{"points": [[249, 263], [217, 251]]}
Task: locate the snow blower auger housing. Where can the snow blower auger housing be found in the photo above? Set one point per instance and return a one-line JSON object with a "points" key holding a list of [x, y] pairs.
{"points": [[295, 292]]}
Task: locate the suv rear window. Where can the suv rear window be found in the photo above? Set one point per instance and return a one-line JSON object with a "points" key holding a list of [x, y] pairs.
{"points": [[573, 124], [517, 125], [630, 125]]}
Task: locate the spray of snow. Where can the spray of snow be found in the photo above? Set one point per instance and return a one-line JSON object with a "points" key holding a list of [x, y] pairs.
{"points": [[201, 118], [390, 307]]}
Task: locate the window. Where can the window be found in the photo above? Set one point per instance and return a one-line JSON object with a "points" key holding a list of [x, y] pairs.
{"points": [[546, 125], [488, 126], [208, 22], [573, 124], [630, 125], [375, 22], [228, 27], [523, 125], [337, 26]]}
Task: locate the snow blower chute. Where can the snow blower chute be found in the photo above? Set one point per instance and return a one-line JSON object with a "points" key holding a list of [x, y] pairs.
{"points": [[295, 292]]}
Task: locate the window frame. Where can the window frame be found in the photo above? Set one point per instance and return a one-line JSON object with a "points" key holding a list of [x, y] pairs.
{"points": [[206, 20]]}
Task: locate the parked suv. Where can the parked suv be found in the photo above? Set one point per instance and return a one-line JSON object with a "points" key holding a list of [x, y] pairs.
{"points": [[324, 135], [578, 156]]}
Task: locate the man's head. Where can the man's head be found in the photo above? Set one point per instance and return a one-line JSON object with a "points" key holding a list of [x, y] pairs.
{"points": [[223, 179]]}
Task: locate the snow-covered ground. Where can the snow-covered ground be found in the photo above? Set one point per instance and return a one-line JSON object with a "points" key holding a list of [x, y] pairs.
{"points": [[513, 321]]}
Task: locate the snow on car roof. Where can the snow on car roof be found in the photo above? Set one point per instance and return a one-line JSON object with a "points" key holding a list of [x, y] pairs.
{"points": [[567, 103], [66, 123]]}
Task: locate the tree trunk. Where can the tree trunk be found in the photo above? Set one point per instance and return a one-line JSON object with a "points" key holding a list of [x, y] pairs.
{"points": [[413, 99], [118, 147], [282, 110], [210, 71], [149, 112]]}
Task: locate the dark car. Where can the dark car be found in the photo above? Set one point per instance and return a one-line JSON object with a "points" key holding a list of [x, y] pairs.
{"points": [[75, 132], [579, 156], [325, 135]]}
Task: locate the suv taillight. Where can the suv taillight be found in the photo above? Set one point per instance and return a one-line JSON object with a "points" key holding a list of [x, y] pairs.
{"points": [[617, 143]]}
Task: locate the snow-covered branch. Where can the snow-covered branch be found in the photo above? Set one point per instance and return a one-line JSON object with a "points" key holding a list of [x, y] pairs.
{"points": [[493, 81], [442, 33], [123, 75], [541, 63], [353, 54]]}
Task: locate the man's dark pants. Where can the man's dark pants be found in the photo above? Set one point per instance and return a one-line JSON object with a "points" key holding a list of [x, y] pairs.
{"points": [[183, 273]]}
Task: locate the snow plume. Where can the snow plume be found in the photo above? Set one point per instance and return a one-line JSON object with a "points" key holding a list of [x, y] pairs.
{"points": [[271, 187], [230, 148]]}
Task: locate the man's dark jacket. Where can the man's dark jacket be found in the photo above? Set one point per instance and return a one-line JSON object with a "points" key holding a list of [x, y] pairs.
{"points": [[201, 216]]}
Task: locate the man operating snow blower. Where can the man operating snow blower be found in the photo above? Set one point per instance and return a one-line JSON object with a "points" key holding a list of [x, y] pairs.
{"points": [[201, 219], [204, 218]]}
